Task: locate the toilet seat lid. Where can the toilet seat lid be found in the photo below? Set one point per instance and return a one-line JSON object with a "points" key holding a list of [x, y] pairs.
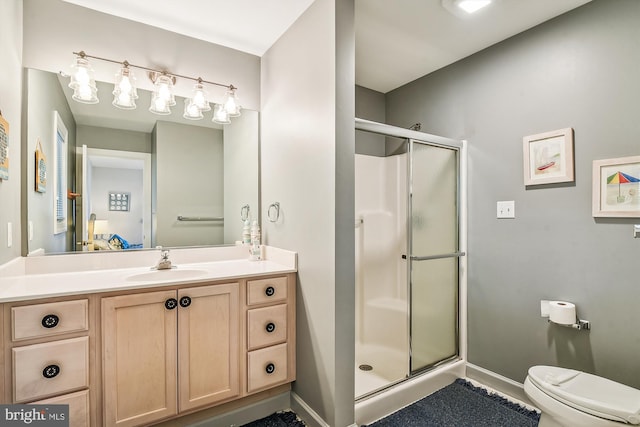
{"points": [[589, 393]]}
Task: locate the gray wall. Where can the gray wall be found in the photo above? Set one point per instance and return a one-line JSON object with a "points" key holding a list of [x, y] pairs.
{"points": [[370, 105], [579, 70], [241, 172], [307, 147], [44, 96], [189, 182], [10, 104]]}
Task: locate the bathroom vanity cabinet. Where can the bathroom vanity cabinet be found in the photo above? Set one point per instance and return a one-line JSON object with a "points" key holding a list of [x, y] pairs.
{"points": [[169, 351], [47, 354], [141, 356]]}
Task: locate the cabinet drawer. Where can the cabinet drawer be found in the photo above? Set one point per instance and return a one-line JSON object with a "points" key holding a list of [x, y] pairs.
{"points": [[78, 407], [43, 370], [266, 290], [41, 320], [266, 326], [267, 367]]}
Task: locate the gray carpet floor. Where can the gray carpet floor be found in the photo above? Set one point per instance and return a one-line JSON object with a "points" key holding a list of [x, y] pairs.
{"points": [[459, 404]]}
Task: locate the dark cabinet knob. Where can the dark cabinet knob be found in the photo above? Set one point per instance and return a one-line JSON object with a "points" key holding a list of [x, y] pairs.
{"points": [[185, 302], [50, 321], [171, 303], [270, 368], [51, 371], [269, 291], [270, 327]]}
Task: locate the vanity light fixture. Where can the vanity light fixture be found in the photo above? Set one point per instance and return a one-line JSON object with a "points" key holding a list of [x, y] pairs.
{"points": [[220, 115], [124, 90], [162, 99], [82, 82], [191, 110]]}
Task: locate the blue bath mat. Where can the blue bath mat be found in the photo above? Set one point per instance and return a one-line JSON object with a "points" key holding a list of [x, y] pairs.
{"points": [[461, 404]]}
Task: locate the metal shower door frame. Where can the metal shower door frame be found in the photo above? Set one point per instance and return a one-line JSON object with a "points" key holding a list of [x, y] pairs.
{"points": [[411, 257], [413, 136]]}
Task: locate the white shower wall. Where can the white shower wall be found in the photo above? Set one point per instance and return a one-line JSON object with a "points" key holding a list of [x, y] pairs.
{"points": [[381, 276]]}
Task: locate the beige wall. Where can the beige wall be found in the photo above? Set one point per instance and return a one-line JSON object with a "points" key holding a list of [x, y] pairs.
{"points": [[10, 104], [307, 162], [55, 29]]}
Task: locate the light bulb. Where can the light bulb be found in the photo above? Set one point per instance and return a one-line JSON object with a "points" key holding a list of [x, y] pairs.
{"points": [[220, 115]]}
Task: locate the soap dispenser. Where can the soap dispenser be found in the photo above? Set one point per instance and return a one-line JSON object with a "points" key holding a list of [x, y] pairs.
{"points": [[254, 251], [246, 233]]}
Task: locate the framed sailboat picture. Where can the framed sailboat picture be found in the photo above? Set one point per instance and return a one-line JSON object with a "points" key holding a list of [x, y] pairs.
{"points": [[616, 187], [548, 157]]}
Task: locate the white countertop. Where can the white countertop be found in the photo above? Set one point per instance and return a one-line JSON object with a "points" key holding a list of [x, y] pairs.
{"points": [[24, 281]]}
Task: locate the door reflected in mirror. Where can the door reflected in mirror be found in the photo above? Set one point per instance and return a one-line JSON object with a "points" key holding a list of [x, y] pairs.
{"points": [[148, 180]]}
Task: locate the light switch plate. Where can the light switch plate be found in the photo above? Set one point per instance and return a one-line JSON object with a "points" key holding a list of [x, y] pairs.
{"points": [[506, 209]]}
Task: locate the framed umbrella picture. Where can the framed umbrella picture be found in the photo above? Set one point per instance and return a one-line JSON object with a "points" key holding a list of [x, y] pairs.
{"points": [[616, 187]]}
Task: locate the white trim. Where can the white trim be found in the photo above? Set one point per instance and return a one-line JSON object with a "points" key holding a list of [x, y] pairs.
{"points": [[60, 183], [463, 261], [407, 392], [305, 412], [512, 390]]}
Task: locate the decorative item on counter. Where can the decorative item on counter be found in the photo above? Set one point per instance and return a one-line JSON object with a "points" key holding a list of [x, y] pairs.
{"points": [[4, 148], [246, 233], [254, 250], [41, 169]]}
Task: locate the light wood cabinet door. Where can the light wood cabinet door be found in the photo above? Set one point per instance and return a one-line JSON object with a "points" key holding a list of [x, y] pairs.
{"points": [[208, 345], [139, 350]]}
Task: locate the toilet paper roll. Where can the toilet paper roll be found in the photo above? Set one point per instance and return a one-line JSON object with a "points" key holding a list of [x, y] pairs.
{"points": [[562, 312]]}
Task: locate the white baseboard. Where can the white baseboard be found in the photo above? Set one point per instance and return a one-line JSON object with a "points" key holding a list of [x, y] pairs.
{"points": [[305, 412], [499, 383]]}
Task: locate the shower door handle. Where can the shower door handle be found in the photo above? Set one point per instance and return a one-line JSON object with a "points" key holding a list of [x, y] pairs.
{"points": [[425, 258]]}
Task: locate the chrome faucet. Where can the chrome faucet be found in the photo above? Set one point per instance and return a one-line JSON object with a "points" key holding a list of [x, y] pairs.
{"points": [[164, 263]]}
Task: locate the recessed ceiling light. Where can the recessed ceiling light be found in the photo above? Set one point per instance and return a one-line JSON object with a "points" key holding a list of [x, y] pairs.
{"points": [[471, 6], [468, 6]]}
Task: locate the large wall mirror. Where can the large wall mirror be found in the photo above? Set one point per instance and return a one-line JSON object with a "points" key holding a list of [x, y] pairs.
{"points": [[134, 179]]}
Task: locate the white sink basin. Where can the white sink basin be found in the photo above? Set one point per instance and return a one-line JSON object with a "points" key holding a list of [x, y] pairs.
{"points": [[164, 275]]}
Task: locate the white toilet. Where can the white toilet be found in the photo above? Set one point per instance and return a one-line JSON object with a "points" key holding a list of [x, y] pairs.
{"points": [[569, 398]]}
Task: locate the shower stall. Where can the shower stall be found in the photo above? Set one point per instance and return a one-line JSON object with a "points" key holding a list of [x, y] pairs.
{"points": [[410, 292]]}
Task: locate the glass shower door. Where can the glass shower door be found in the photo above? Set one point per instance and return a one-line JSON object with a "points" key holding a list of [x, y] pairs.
{"points": [[434, 253]]}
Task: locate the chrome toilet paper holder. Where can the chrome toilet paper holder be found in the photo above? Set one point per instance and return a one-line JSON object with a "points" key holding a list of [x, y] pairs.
{"points": [[580, 324]]}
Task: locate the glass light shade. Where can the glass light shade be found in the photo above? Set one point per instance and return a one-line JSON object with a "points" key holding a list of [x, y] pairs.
{"points": [[231, 104], [159, 105], [200, 97], [163, 88], [124, 90], [191, 110], [220, 115], [83, 83]]}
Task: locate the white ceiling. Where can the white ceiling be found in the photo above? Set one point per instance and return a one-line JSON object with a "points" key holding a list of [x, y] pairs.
{"points": [[397, 41]]}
